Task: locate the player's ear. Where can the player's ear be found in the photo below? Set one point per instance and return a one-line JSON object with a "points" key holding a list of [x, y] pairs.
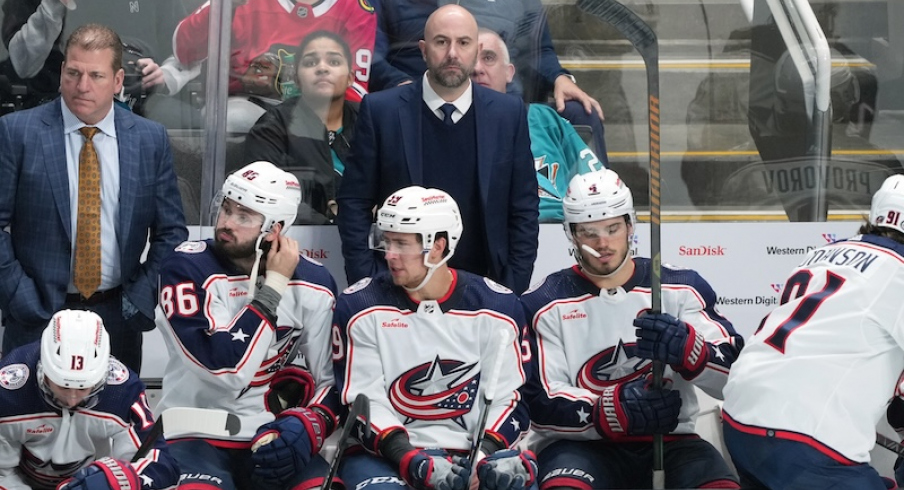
{"points": [[276, 229], [423, 45]]}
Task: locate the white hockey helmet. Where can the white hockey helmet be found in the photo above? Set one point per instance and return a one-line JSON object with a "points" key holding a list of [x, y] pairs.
{"points": [[597, 196], [887, 209], [425, 212], [75, 352], [266, 189]]}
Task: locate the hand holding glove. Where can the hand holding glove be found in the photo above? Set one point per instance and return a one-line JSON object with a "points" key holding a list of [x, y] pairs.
{"points": [[435, 470], [284, 447], [292, 386], [633, 409], [662, 337], [104, 474], [507, 469]]}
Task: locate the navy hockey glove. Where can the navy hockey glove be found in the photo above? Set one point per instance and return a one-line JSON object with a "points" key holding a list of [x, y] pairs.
{"points": [[507, 469], [103, 474], [299, 435], [435, 470], [662, 337], [291, 386], [632, 409]]}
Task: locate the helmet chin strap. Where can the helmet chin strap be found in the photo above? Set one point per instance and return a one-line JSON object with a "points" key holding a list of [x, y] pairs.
{"points": [[256, 267], [431, 268], [580, 259]]}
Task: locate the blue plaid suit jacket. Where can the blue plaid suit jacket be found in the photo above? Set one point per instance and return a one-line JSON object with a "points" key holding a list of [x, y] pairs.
{"points": [[35, 229]]}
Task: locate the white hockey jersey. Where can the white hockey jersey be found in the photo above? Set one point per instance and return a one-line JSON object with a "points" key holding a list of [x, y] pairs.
{"points": [[586, 342], [41, 445], [223, 352], [422, 364], [824, 363]]}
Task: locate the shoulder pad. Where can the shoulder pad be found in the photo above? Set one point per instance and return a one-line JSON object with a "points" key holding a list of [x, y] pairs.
{"points": [[495, 286], [192, 247], [357, 286], [118, 373], [14, 376]]}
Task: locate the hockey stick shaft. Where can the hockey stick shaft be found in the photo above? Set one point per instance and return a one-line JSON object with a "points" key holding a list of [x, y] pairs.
{"points": [[890, 444], [358, 413], [644, 40], [503, 339], [148, 443]]}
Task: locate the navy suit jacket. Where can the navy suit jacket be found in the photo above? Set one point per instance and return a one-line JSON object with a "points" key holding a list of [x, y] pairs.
{"points": [[386, 156], [35, 251]]}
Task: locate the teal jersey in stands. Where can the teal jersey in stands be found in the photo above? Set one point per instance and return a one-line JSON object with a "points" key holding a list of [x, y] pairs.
{"points": [[559, 154]]}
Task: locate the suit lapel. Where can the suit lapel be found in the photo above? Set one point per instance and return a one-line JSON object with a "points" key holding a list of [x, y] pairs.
{"points": [[482, 107], [54, 151], [128, 143], [410, 126]]}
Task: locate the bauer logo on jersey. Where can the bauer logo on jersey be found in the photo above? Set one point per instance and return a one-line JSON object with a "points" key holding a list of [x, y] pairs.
{"points": [[611, 366], [441, 389], [14, 376]]}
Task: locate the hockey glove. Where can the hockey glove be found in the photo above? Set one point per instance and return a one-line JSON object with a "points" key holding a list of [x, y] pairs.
{"points": [[507, 469], [631, 409], [291, 386], [299, 435], [104, 474], [435, 470], [662, 337]]}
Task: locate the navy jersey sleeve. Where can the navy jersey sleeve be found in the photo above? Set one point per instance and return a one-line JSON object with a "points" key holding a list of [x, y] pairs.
{"points": [[223, 348]]}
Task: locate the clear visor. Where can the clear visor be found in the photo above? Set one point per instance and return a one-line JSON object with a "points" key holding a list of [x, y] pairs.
{"points": [[89, 401], [396, 243], [228, 212], [590, 232]]}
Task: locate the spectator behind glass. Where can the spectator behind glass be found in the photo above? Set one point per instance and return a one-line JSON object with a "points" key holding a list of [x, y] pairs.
{"points": [[264, 36], [559, 152], [310, 135], [40, 209], [520, 23], [34, 30]]}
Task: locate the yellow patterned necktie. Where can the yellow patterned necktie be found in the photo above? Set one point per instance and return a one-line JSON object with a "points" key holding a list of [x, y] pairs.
{"points": [[87, 237]]}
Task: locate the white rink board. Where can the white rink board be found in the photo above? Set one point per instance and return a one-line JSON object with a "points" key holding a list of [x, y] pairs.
{"points": [[746, 263]]}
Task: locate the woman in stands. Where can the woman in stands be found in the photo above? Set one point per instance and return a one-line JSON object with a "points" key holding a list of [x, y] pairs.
{"points": [[310, 135]]}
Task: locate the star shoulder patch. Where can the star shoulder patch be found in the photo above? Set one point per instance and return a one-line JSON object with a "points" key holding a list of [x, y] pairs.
{"points": [[118, 373], [14, 376], [495, 286], [192, 247], [354, 288]]}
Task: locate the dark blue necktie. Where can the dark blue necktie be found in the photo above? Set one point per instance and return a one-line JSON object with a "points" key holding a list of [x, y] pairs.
{"points": [[447, 109]]}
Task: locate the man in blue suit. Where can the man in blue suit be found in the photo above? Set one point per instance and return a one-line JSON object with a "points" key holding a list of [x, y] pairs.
{"points": [[445, 132], [40, 165]]}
